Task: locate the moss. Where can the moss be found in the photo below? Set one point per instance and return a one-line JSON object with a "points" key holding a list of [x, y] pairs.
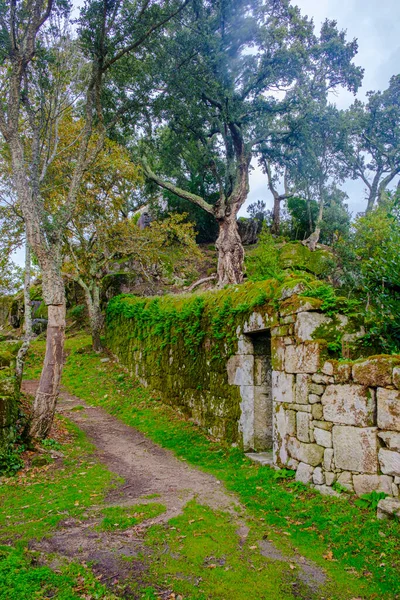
{"points": [[295, 255], [376, 370], [296, 303]]}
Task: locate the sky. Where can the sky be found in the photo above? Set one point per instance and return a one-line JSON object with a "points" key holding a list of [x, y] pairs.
{"points": [[376, 26]]}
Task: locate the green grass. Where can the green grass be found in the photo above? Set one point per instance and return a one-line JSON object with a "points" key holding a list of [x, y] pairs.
{"points": [[124, 517], [198, 556], [21, 578], [32, 505], [360, 553]]}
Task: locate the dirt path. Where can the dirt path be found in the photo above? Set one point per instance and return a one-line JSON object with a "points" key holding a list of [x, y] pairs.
{"points": [[146, 469]]}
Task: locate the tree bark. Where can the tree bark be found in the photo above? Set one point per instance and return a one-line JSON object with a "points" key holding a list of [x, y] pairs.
{"points": [[46, 397], [276, 215], [95, 317], [19, 367], [230, 251], [312, 241]]}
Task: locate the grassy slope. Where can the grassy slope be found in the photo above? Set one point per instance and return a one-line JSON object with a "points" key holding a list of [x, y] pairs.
{"points": [[360, 553]]}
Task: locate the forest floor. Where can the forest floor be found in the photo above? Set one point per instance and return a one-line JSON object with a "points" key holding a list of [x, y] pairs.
{"points": [[140, 503]]}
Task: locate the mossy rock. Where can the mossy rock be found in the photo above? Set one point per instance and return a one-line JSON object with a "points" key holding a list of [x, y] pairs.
{"points": [[296, 256], [41, 460], [6, 358]]}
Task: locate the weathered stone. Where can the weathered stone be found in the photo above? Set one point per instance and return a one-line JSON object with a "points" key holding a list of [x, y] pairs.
{"points": [[245, 345], [329, 462], [240, 370], [395, 489], [346, 480], [316, 411], [284, 427], [281, 330], [323, 425], [343, 373], [304, 473], [317, 389], [307, 323], [302, 383], [292, 289], [348, 404], [388, 402], [389, 461], [327, 368], [282, 387], [330, 478], [297, 304], [326, 490], [287, 320], [396, 377], [246, 421], [309, 453], [258, 322], [262, 371], [374, 372], [292, 463], [303, 426], [322, 437], [397, 480], [364, 484], [324, 379], [278, 354], [301, 407], [314, 399], [388, 508], [303, 358], [355, 448], [262, 418], [288, 341], [318, 476], [391, 439]]}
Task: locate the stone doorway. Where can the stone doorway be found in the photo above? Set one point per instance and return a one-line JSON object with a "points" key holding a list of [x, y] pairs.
{"points": [[262, 384]]}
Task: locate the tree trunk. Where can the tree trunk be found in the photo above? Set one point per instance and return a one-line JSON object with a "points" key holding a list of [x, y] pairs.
{"points": [[19, 367], [276, 215], [230, 251], [312, 241], [95, 317], [46, 397]]}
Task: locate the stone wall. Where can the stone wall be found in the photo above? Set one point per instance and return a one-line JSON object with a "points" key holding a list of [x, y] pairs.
{"points": [[334, 421], [261, 374], [9, 393]]}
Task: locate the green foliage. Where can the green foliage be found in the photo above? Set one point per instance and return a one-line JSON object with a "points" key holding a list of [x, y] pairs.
{"points": [[341, 489], [284, 474], [326, 293], [11, 461], [263, 262], [370, 272], [51, 444], [371, 500], [187, 320]]}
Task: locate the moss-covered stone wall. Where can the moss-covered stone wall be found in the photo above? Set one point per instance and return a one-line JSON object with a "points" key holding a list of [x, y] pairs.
{"points": [[9, 394], [180, 347], [262, 365]]}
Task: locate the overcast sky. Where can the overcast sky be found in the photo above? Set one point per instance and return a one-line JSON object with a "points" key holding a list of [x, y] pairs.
{"points": [[376, 25]]}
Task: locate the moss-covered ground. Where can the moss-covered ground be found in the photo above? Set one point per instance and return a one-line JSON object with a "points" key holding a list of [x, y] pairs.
{"points": [[203, 559]]}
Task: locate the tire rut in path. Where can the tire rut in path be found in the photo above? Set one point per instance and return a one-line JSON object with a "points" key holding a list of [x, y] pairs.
{"points": [[147, 469]]}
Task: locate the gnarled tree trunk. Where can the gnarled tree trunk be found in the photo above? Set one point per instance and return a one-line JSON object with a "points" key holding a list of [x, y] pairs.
{"points": [[230, 251]]}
